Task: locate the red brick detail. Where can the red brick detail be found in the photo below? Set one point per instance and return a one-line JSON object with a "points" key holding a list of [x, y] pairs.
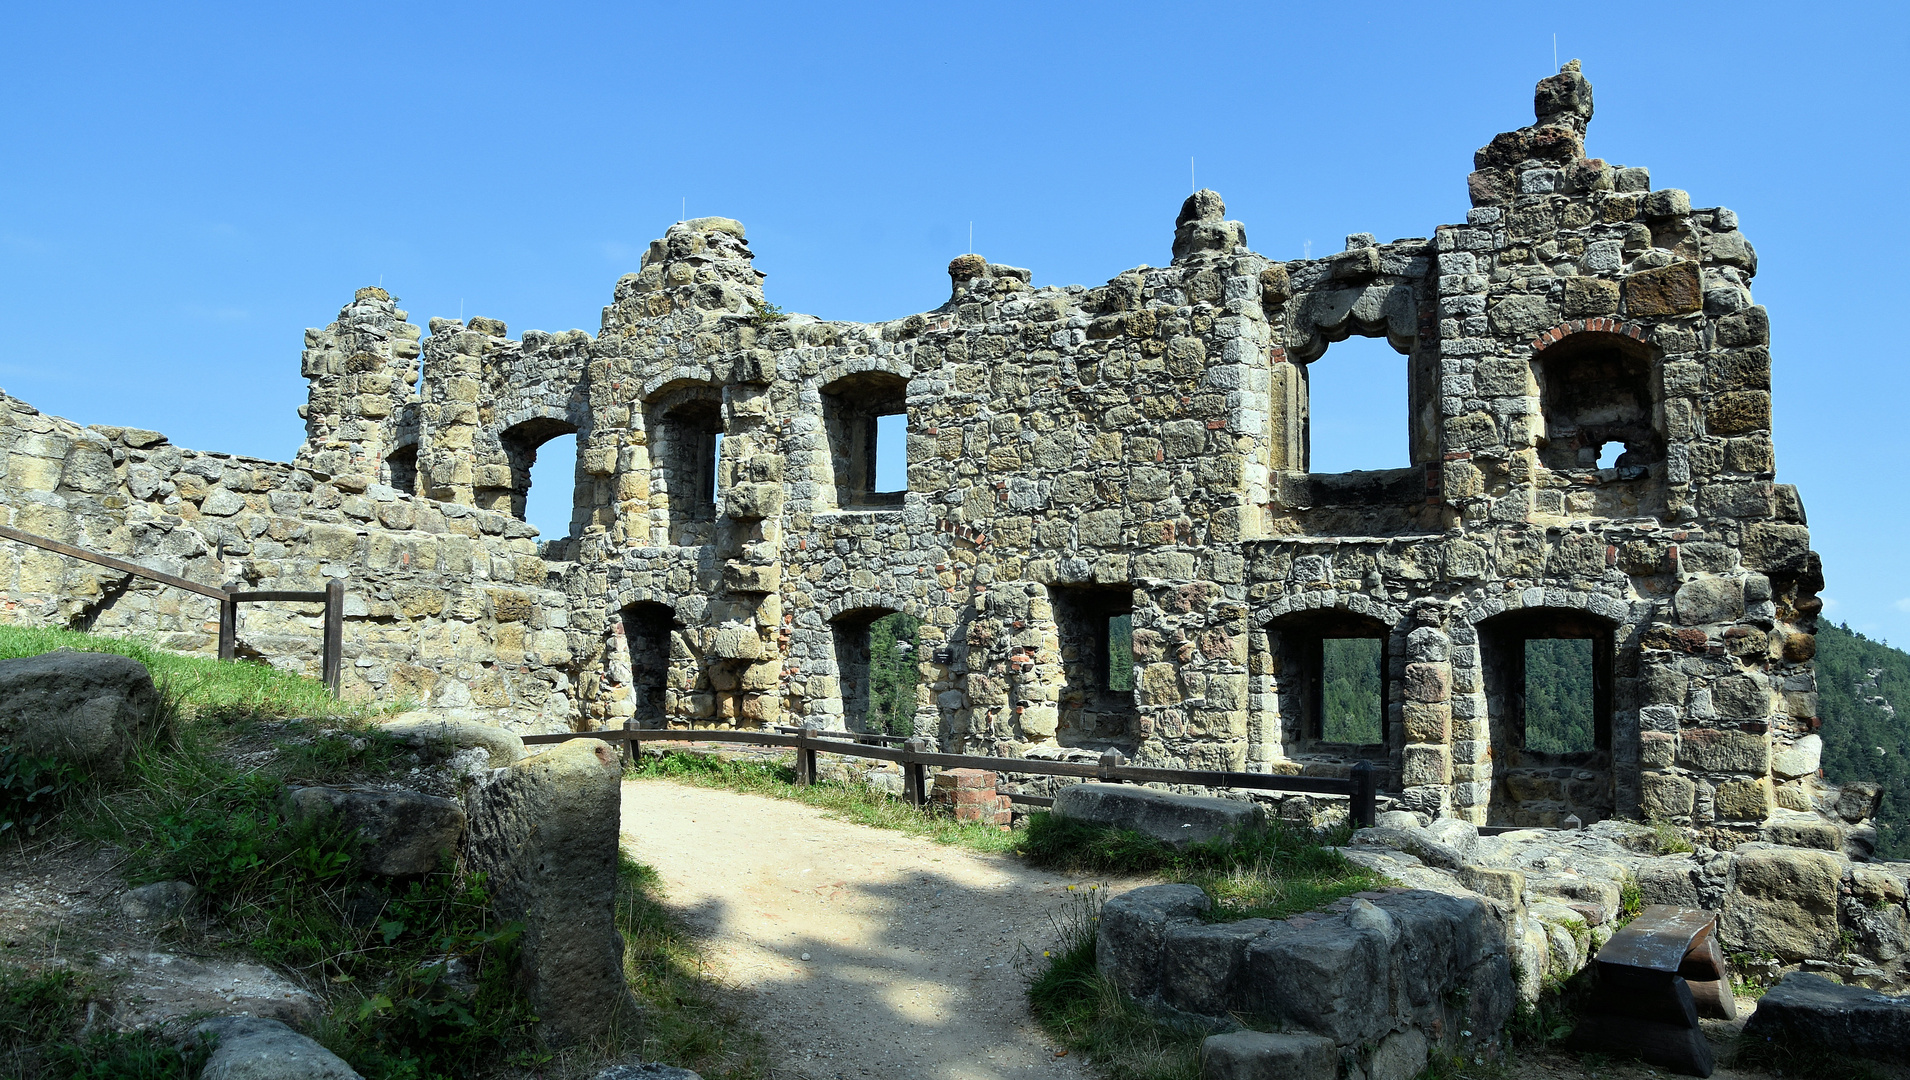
{"points": [[1598, 325]]}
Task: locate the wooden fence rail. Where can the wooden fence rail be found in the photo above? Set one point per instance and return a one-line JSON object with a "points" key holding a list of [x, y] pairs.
{"points": [[229, 598], [915, 758]]}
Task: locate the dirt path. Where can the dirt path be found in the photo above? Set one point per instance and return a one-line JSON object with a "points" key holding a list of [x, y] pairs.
{"points": [[918, 953]]}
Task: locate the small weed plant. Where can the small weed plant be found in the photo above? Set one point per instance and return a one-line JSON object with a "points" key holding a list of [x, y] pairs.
{"points": [[30, 791]]}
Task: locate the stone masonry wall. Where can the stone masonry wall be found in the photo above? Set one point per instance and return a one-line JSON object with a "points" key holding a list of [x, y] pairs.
{"points": [[1588, 388]]}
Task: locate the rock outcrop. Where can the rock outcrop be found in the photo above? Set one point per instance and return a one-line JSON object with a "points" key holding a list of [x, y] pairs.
{"points": [[1176, 820], [251, 1048], [399, 833]]}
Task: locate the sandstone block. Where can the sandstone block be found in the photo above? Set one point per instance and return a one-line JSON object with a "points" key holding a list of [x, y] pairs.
{"points": [[1666, 290], [545, 832], [1259, 1055], [1809, 1012], [1745, 800], [1782, 901], [1176, 820], [1735, 412], [86, 709], [401, 833], [1725, 751], [1128, 938], [1664, 795]]}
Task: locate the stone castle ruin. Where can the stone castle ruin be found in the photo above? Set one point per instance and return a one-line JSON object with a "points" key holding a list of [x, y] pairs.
{"points": [[1590, 461]]}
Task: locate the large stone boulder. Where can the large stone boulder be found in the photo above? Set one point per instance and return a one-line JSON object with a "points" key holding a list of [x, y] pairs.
{"points": [[87, 709], [401, 833], [1177, 820], [545, 832], [253, 1048], [444, 737], [1807, 1010]]}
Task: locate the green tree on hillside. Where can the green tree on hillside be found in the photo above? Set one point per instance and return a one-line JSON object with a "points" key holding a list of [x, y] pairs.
{"points": [[1862, 686], [894, 672]]}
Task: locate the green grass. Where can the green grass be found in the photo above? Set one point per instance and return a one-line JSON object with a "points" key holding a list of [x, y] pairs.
{"points": [[1270, 873], [685, 1023], [42, 1020], [200, 686], [850, 800]]}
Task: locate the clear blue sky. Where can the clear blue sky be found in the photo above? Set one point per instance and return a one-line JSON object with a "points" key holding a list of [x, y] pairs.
{"points": [[188, 186]]}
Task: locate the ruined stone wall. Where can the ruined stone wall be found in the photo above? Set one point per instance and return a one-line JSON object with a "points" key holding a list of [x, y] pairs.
{"points": [[1588, 390], [446, 605]]}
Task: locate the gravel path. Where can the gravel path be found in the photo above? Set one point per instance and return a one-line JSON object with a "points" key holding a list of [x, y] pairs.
{"points": [[918, 953]]}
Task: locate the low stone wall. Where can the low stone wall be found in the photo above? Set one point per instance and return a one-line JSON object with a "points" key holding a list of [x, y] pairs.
{"points": [[1386, 975], [447, 605]]}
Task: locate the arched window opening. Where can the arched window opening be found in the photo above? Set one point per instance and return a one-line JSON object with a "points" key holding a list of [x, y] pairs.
{"points": [[686, 441], [507, 488], [1332, 678], [401, 469], [1095, 625], [1548, 682], [1599, 398], [647, 628], [878, 669], [1357, 409], [866, 417]]}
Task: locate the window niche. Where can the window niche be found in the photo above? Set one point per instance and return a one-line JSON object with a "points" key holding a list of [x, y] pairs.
{"points": [[1548, 682], [1095, 627], [686, 431], [1332, 675], [1600, 398], [853, 408], [646, 630], [878, 668], [401, 469]]}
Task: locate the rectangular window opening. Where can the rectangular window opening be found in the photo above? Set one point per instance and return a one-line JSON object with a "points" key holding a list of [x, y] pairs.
{"points": [[1560, 706], [1120, 653], [715, 465], [891, 454], [1352, 690], [1357, 413]]}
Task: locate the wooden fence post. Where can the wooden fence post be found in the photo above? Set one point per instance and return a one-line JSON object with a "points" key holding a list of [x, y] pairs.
{"points": [[630, 745], [334, 656], [229, 624], [805, 755], [1110, 759], [1364, 794], [914, 776]]}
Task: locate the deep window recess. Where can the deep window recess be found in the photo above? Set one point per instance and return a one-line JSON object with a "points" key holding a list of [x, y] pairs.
{"points": [[1332, 679], [878, 670], [1352, 690], [1095, 628], [1560, 695], [687, 436], [1599, 400], [1357, 414], [1120, 638], [1548, 681], [401, 469], [646, 629], [853, 410], [522, 444]]}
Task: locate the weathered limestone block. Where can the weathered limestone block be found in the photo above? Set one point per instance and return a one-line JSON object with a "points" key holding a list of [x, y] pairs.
{"points": [[1176, 820], [87, 709], [1782, 901], [545, 833]]}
